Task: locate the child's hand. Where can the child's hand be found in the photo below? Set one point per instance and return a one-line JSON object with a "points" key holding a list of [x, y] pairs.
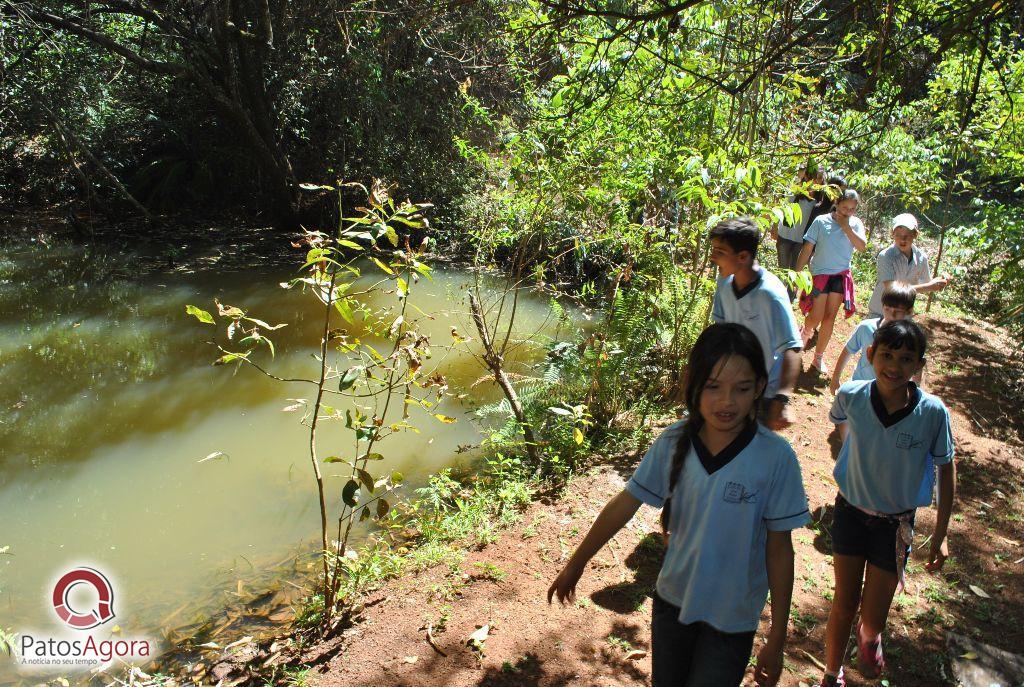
{"points": [[564, 586], [778, 416], [769, 665], [937, 555], [833, 386]]}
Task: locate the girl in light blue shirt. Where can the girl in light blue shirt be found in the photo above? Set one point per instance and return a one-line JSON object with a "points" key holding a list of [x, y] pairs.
{"points": [[828, 248], [731, 493]]}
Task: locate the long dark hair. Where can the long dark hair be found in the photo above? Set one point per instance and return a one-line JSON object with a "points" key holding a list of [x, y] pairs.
{"points": [[716, 343]]}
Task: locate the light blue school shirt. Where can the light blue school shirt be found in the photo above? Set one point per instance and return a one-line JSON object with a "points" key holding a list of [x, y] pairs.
{"points": [[886, 463], [893, 265], [714, 569], [764, 308], [862, 337], [832, 248]]}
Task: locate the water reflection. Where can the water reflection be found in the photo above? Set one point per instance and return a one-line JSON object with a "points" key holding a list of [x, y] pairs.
{"points": [[109, 403]]}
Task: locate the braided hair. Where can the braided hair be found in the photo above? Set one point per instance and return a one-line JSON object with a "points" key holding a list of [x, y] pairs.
{"points": [[716, 343]]}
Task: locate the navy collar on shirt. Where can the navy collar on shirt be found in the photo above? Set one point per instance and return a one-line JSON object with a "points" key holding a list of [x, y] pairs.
{"points": [[883, 415], [714, 463], [740, 293]]}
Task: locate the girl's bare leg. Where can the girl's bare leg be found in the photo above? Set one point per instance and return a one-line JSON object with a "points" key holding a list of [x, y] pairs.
{"points": [[849, 573], [814, 317], [832, 305], [879, 588]]}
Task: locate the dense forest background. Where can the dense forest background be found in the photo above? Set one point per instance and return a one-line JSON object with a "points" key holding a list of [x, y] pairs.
{"points": [[592, 140]]}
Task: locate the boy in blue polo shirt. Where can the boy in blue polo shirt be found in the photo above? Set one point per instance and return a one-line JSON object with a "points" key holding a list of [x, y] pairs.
{"points": [[897, 304], [750, 295], [903, 261], [893, 434]]}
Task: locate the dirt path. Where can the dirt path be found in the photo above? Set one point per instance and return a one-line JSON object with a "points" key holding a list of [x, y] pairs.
{"points": [[604, 637]]}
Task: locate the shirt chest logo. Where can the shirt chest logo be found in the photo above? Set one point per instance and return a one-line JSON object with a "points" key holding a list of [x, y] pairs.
{"points": [[737, 493], [906, 440]]}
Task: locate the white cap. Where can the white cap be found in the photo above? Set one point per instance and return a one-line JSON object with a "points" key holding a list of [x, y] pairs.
{"points": [[905, 220]]}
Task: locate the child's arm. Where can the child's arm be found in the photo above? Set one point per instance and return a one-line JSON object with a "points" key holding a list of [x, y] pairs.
{"points": [[936, 284], [778, 412], [805, 256], [837, 374], [613, 518], [779, 562], [947, 487]]}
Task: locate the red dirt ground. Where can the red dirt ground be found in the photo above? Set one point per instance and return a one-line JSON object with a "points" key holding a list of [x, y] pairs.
{"points": [[603, 638]]}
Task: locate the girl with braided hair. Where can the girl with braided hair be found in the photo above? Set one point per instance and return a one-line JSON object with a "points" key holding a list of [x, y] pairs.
{"points": [[731, 492]]}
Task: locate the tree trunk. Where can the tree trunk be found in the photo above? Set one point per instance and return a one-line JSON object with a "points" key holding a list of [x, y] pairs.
{"points": [[494, 364]]}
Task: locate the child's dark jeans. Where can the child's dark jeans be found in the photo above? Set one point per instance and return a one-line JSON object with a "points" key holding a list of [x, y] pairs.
{"points": [[695, 655]]}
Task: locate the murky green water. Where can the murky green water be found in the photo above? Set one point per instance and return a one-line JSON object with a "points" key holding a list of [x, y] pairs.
{"points": [[109, 402]]}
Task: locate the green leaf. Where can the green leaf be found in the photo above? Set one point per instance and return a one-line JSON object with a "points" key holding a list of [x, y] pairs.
{"points": [[372, 456], [350, 377], [755, 176], [263, 324], [787, 213], [365, 478], [558, 97], [577, 435], [334, 459], [199, 314], [797, 213], [383, 267], [410, 221], [403, 287], [350, 494], [230, 358], [397, 477], [445, 419], [392, 235], [344, 308]]}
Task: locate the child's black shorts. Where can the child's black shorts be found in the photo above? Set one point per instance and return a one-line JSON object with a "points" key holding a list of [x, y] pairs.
{"points": [[855, 533], [835, 284]]}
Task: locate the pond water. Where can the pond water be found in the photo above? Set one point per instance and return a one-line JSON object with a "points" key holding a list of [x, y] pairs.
{"points": [[109, 404]]}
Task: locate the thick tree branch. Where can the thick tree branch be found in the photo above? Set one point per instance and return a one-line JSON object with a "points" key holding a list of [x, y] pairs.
{"points": [[104, 41], [581, 11]]}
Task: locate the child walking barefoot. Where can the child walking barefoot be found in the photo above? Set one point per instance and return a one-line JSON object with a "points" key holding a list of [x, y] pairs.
{"points": [[893, 434], [731, 491]]}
